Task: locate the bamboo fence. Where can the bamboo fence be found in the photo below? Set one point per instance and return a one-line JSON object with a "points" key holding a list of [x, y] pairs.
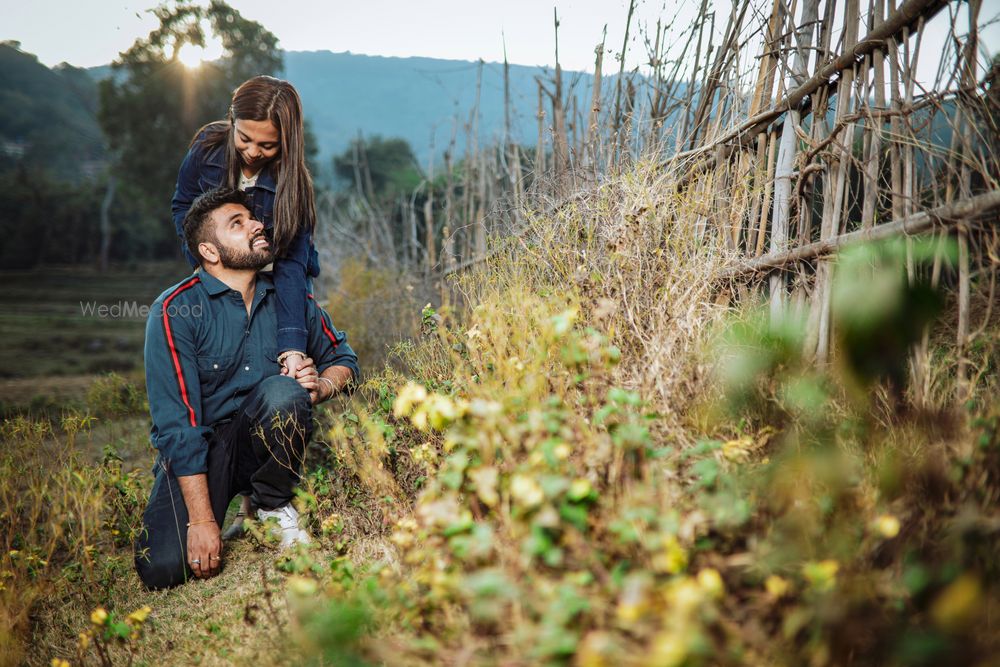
{"points": [[806, 127]]}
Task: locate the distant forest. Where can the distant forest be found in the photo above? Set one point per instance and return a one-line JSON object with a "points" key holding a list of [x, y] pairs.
{"points": [[78, 145]]}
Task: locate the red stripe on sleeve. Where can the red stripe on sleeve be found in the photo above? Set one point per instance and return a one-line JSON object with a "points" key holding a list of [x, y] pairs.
{"points": [[173, 348], [326, 329]]}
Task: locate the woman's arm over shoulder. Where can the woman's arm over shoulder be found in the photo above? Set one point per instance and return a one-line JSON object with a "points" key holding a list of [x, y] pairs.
{"points": [[290, 288]]}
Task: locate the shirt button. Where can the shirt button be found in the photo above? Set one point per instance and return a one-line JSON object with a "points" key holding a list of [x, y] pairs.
{"points": [[246, 368], [215, 366]]}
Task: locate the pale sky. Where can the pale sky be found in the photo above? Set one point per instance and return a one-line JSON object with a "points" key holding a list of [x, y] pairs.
{"points": [[92, 32], [86, 33]]}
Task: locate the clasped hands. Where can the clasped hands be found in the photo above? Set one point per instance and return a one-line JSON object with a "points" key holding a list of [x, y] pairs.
{"points": [[303, 370]]}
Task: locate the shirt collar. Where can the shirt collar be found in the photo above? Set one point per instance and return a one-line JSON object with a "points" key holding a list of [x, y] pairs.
{"points": [[214, 286]]}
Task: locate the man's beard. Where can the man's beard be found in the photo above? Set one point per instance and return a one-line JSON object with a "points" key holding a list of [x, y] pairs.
{"points": [[245, 259]]}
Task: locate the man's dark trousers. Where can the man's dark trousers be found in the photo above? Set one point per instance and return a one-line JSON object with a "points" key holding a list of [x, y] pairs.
{"points": [[259, 450]]}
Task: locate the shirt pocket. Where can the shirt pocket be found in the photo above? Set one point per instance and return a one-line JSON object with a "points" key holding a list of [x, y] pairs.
{"points": [[213, 371]]}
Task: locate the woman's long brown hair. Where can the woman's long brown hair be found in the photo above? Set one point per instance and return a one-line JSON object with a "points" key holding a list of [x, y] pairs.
{"points": [[267, 98]]}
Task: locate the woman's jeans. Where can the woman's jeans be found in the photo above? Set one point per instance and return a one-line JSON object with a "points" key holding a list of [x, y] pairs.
{"points": [[259, 451]]}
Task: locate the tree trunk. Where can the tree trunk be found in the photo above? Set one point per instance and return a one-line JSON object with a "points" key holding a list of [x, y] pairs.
{"points": [[104, 254]]}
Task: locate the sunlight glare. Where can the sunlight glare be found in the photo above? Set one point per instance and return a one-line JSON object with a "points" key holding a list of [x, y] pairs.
{"points": [[191, 55]]}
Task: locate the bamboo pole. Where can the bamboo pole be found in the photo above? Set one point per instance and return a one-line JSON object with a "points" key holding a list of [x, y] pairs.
{"points": [[560, 150], [429, 242], [772, 142], [447, 233], [761, 179], [943, 217], [786, 155], [593, 125], [616, 117], [834, 194], [540, 148], [969, 78], [873, 155]]}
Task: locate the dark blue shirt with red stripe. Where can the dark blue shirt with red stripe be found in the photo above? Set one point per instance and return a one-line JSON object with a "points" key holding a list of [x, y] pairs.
{"points": [[204, 354]]}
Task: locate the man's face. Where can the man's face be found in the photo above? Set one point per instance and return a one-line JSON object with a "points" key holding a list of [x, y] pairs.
{"points": [[240, 239]]}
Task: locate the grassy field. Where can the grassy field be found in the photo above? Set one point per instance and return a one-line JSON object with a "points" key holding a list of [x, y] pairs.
{"points": [[54, 344]]}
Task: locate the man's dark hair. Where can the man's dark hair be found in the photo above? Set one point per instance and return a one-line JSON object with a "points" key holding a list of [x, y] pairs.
{"points": [[195, 228]]}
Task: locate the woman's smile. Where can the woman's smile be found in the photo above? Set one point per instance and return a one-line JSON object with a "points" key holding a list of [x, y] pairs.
{"points": [[256, 141]]}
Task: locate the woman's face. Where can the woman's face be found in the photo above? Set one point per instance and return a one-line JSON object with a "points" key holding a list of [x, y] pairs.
{"points": [[257, 142]]}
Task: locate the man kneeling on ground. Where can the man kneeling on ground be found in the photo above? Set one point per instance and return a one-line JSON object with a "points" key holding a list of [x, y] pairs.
{"points": [[225, 420]]}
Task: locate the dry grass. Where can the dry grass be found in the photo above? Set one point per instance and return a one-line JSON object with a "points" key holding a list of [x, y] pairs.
{"points": [[569, 480]]}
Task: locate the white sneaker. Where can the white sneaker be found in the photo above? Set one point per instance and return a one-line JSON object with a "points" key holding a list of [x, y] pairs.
{"points": [[288, 520]]}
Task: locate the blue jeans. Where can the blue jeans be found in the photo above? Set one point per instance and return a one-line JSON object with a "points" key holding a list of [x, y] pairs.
{"points": [[259, 451]]}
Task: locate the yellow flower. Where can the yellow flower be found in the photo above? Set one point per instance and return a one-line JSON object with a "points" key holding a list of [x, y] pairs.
{"points": [[672, 559], [139, 616], [887, 526], [410, 395], [84, 641], [58, 662], [562, 451], [822, 575], [526, 491], [737, 450], [419, 420], [596, 650], [685, 596], [776, 586], [711, 582], [302, 586], [485, 479], [669, 650], [579, 489], [958, 604], [99, 616], [441, 411], [331, 524], [634, 602], [402, 539]]}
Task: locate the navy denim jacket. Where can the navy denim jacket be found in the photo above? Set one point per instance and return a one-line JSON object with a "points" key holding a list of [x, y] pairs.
{"points": [[204, 354], [203, 170]]}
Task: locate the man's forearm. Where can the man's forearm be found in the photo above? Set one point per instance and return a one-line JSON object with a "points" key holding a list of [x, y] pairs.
{"points": [[194, 488], [340, 376]]}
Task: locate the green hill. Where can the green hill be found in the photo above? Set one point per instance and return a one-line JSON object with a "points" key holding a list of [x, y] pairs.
{"points": [[48, 116]]}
